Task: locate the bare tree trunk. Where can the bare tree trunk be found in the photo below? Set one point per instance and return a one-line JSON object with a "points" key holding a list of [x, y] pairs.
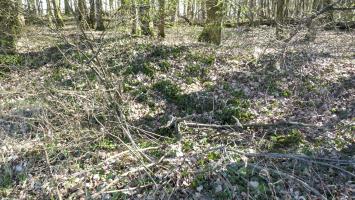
{"points": [[67, 10], [111, 4], [21, 17], [82, 14], [286, 9], [135, 22], [174, 10], [279, 18], [203, 11], [92, 14], [32, 8], [330, 14], [193, 8], [161, 18], [10, 26], [39, 7], [312, 34], [99, 18], [49, 13], [212, 32], [251, 12], [58, 17], [262, 9], [239, 12], [268, 9], [189, 9], [145, 18]]}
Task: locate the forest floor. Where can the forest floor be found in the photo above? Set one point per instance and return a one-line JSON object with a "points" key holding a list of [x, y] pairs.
{"points": [[120, 117]]}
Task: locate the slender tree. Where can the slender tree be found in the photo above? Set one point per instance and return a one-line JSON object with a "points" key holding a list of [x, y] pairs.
{"points": [[31, 5], [239, 12], [212, 32], [67, 9], [10, 26], [203, 11], [82, 14], [135, 15], [92, 16], [261, 9], [251, 12], [173, 9], [329, 16], [99, 18], [161, 26], [21, 17], [49, 13], [57, 15], [111, 5], [145, 18], [279, 18], [311, 34], [39, 7]]}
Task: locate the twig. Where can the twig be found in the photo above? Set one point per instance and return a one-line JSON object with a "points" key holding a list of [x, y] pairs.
{"points": [[51, 173], [308, 187], [277, 155], [215, 126], [288, 156], [128, 190], [135, 170], [241, 127]]}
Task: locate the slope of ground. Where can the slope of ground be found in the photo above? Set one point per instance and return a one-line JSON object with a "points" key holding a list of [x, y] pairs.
{"points": [[118, 117]]}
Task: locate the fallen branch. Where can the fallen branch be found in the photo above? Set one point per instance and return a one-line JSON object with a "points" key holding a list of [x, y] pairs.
{"points": [[278, 155], [343, 9], [174, 124], [215, 126], [241, 127], [129, 191], [310, 19], [189, 21]]}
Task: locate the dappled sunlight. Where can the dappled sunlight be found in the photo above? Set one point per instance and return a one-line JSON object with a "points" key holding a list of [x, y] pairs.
{"points": [[123, 113]]}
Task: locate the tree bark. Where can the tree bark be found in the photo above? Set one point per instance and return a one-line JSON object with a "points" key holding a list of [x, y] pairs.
{"points": [[145, 18], [251, 12], [111, 4], [312, 34], [174, 10], [99, 18], [212, 32], [203, 11], [135, 15], [82, 14], [330, 14], [49, 13], [279, 18], [32, 8], [10, 26], [161, 18], [39, 7], [67, 9], [58, 17], [21, 17], [92, 14]]}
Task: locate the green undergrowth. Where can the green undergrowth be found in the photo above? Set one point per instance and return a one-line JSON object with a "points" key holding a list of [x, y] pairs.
{"points": [[189, 103], [11, 59], [8, 61], [236, 107], [291, 140]]}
